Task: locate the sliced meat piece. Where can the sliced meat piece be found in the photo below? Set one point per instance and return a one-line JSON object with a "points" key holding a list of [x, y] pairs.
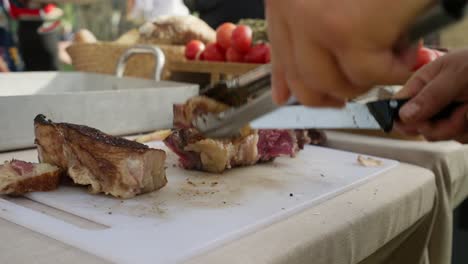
{"points": [[213, 155], [177, 142], [19, 177], [275, 143], [198, 153], [108, 164]]}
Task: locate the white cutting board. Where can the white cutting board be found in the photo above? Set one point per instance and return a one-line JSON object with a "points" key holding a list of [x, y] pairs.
{"points": [[195, 212]]}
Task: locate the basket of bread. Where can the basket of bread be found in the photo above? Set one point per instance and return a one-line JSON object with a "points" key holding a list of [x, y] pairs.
{"points": [[168, 33]]}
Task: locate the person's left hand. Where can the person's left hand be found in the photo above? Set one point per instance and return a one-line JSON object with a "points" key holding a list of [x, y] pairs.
{"points": [[431, 88]]}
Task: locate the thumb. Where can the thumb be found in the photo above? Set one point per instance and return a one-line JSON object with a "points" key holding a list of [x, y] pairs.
{"points": [[432, 88]]}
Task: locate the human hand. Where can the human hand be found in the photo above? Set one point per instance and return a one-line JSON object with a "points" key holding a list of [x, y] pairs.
{"points": [[3, 65], [431, 88], [324, 52]]}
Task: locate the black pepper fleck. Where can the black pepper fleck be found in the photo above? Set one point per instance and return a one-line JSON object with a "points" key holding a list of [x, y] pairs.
{"points": [[291, 195], [109, 213]]}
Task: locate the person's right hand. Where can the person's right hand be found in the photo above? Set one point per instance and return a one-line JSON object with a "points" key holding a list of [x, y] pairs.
{"points": [[431, 88], [327, 51]]}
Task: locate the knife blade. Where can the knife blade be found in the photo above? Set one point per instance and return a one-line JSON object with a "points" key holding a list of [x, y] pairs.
{"points": [[379, 114]]}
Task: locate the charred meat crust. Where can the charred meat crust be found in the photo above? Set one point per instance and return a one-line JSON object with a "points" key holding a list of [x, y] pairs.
{"points": [[93, 134]]}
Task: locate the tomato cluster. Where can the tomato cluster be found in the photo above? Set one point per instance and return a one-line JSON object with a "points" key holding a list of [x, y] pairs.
{"points": [[233, 44]]}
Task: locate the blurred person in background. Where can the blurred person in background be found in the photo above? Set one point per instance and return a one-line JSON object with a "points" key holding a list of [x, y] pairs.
{"points": [[37, 33], [9, 57], [216, 12], [148, 10], [4, 26]]}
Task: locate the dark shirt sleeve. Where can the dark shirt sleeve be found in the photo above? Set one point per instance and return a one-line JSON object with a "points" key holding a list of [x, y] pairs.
{"points": [[201, 5], [215, 12]]}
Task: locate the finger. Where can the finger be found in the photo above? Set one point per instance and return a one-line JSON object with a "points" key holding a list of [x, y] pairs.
{"points": [[280, 88], [376, 68], [278, 34], [419, 80], [436, 94], [449, 128], [316, 69], [309, 97], [386, 65]]}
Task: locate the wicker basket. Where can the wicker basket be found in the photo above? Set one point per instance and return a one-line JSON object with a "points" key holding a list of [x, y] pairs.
{"points": [[102, 57]]}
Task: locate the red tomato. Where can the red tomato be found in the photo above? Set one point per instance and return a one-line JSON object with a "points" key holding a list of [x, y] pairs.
{"points": [[425, 56], [213, 52], [193, 49], [233, 55], [258, 54], [223, 35], [241, 38]]}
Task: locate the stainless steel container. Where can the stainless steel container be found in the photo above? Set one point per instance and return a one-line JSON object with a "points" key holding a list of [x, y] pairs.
{"points": [[118, 106]]}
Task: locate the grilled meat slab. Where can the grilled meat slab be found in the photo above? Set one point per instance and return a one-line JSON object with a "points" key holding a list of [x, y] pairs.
{"points": [[111, 165]]}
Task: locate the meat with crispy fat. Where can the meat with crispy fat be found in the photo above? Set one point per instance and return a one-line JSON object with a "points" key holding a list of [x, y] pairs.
{"points": [[107, 164]]}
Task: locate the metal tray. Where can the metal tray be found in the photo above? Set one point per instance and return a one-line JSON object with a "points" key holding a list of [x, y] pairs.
{"points": [[118, 106]]}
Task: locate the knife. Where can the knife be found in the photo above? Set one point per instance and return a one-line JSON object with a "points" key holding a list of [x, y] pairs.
{"points": [[380, 114], [250, 94]]}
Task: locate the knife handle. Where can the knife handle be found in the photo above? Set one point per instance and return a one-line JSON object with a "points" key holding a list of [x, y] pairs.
{"points": [[386, 112]]}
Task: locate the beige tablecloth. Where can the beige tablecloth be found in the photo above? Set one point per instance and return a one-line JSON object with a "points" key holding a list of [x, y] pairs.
{"points": [[368, 223], [448, 161]]}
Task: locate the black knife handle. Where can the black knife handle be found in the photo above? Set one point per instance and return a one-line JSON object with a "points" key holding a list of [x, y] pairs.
{"points": [[386, 112]]}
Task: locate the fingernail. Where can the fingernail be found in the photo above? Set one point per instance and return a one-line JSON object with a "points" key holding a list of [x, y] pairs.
{"points": [[409, 111]]}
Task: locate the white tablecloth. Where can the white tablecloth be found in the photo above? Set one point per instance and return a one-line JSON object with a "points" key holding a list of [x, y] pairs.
{"points": [[448, 160]]}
